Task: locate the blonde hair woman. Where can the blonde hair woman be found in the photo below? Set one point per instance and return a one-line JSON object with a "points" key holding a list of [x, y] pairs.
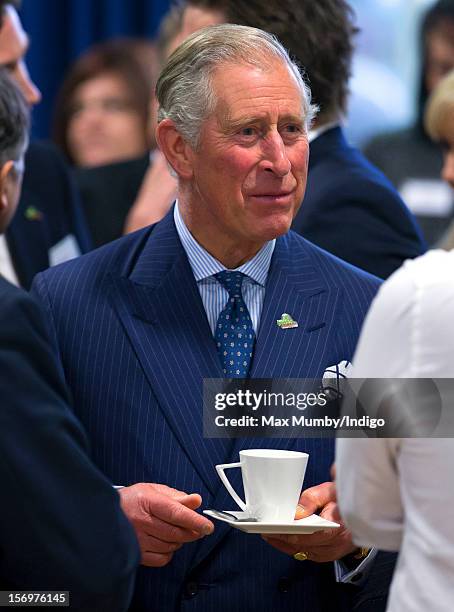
{"points": [[439, 123]]}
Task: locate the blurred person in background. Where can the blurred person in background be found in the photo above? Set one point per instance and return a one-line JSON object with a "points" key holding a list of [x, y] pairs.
{"points": [[61, 527], [439, 124], [104, 123], [350, 209], [49, 226], [102, 114], [408, 157]]}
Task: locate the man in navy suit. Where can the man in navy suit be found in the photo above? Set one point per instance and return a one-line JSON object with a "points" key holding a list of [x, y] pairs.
{"points": [[48, 227], [350, 208], [136, 327], [61, 526]]}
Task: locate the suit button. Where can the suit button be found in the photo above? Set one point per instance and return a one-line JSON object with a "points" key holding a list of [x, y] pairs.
{"points": [[191, 589], [283, 584], [356, 577]]}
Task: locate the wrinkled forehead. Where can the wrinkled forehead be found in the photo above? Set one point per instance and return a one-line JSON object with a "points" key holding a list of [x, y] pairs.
{"points": [[233, 82]]}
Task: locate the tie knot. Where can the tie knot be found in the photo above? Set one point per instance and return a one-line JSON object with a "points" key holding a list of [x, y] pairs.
{"points": [[231, 281]]}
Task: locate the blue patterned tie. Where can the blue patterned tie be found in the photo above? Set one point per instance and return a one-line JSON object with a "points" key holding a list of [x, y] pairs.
{"points": [[234, 334]]}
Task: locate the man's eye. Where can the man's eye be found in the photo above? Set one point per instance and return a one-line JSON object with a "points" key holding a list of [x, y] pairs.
{"points": [[248, 131], [292, 128]]}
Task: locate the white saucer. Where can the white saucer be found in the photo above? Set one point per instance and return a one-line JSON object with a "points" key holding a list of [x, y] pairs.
{"points": [[307, 525]]}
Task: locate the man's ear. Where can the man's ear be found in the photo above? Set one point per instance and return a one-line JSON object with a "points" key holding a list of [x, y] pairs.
{"points": [[176, 150], [5, 172]]}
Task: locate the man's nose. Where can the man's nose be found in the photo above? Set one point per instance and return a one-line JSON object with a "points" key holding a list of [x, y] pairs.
{"points": [[28, 88], [275, 157], [447, 172]]}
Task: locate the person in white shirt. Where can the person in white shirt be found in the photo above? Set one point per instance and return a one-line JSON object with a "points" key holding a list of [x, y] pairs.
{"points": [[398, 493]]}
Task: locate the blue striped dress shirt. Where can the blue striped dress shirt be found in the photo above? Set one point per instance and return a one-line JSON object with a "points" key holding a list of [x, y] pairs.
{"points": [[204, 266]]}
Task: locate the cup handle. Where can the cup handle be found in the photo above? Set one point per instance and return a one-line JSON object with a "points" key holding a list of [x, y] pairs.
{"points": [[220, 470]]}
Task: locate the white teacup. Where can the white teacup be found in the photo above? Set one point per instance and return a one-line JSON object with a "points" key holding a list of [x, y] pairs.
{"points": [[272, 481]]}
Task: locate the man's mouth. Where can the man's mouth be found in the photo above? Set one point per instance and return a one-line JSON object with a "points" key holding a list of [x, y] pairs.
{"points": [[273, 196]]}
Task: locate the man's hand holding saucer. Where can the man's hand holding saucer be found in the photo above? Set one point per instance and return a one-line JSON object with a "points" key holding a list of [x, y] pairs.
{"points": [[323, 546]]}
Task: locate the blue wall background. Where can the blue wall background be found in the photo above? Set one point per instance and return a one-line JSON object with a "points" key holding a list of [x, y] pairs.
{"points": [[61, 29]]}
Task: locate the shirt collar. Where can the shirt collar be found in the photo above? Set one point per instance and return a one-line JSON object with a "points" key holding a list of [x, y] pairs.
{"points": [[313, 134], [205, 265]]}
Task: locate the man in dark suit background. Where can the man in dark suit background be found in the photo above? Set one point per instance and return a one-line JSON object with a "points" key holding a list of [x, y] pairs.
{"points": [[49, 227], [61, 527], [138, 324], [350, 208]]}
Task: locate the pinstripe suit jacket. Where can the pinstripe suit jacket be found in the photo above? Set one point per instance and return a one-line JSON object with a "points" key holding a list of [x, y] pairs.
{"points": [[134, 342]]}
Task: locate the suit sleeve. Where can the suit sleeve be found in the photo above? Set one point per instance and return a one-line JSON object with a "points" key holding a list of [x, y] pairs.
{"points": [[61, 526]]}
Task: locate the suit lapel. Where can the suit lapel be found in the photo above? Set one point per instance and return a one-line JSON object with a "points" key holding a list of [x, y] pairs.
{"points": [[163, 315], [295, 287]]}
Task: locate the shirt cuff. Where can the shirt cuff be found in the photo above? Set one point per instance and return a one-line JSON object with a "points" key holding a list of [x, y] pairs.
{"points": [[355, 576]]}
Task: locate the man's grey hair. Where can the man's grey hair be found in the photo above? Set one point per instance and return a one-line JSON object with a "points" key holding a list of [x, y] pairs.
{"points": [[14, 120], [184, 90]]}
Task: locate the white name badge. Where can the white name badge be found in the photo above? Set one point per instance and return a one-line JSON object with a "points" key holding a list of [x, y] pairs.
{"points": [[66, 249]]}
